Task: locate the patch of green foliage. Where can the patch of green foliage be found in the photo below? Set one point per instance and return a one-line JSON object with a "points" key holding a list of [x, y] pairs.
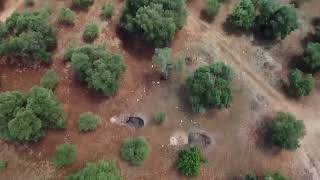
{"points": [[99, 68], [107, 10], [162, 58], [212, 8], [244, 14], [28, 36], [82, 3], [3, 165], [88, 121], [107, 170], [157, 20], [300, 84], [275, 176], [251, 176], [160, 117], [64, 155], [312, 56], [190, 161], [286, 131], [210, 87], [276, 20], [66, 16], [135, 150], [50, 80], [91, 32]]}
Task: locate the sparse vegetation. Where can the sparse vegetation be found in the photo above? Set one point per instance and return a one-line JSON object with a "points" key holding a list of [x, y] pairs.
{"points": [[135, 150], [251, 176], [275, 176], [107, 11], [286, 131], [160, 117], [50, 80], [312, 56], [64, 155], [99, 68], [66, 16], [82, 3], [212, 8], [3, 165], [20, 33], [162, 57], [88, 121], [209, 87], [157, 20], [300, 84], [100, 170], [190, 161], [244, 14], [91, 32]]}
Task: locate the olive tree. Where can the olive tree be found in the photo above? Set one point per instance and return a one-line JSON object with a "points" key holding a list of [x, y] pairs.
{"points": [[312, 56], [300, 84], [244, 14]]}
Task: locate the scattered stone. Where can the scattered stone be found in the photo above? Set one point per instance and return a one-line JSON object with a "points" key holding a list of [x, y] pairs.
{"points": [[199, 138]]}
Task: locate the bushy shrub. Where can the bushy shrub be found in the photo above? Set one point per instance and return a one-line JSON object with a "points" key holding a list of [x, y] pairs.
{"points": [[50, 80], [66, 16], [88, 121], [98, 67], [28, 36], [212, 8], [64, 155], [276, 20], [286, 131], [275, 176], [300, 84], [189, 161], [209, 87], [244, 14], [82, 3], [10, 104], [3, 165], [91, 32], [68, 52], [135, 150], [107, 10], [312, 56], [101, 170], [157, 20], [46, 107], [251, 176], [25, 127], [162, 58], [160, 117]]}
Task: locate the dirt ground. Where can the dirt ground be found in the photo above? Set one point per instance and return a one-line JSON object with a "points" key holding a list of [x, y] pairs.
{"points": [[238, 144]]}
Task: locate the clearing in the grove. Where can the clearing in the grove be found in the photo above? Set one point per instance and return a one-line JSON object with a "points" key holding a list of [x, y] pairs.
{"points": [[159, 89]]}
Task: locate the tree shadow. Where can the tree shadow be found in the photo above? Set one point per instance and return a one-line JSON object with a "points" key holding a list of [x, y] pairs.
{"points": [[231, 30]]}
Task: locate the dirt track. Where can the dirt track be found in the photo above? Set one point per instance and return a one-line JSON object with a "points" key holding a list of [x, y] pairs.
{"points": [[9, 7]]}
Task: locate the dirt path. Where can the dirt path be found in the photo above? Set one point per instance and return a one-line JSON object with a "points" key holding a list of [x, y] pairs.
{"points": [[9, 8]]}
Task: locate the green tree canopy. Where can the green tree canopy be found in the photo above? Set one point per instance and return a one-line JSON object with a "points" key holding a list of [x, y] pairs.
{"points": [[135, 150], [312, 56], [300, 84], [244, 14], [189, 161]]}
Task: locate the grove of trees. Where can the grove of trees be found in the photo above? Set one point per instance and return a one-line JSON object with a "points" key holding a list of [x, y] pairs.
{"points": [[157, 20]]}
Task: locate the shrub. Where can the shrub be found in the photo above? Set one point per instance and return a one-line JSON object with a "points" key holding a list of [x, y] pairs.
{"points": [[160, 117], [64, 155], [68, 53], [3, 165], [46, 107], [212, 8], [28, 36], [162, 57], [286, 131], [276, 20], [251, 176], [107, 11], [189, 161], [10, 104], [157, 20], [312, 56], [91, 32], [135, 150], [210, 87], [243, 15], [50, 80], [275, 176], [100, 170], [25, 127], [300, 84], [82, 3], [66, 16], [98, 67], [88, 122]]}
